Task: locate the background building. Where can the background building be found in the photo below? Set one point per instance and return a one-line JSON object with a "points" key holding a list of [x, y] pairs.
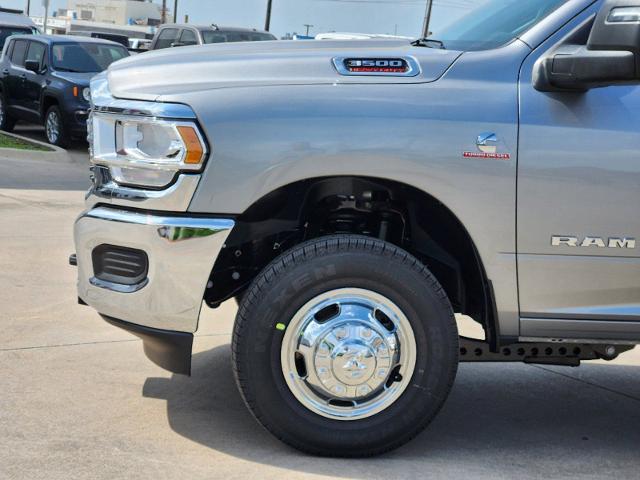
{"points": [[134, 18], [118, 12]]}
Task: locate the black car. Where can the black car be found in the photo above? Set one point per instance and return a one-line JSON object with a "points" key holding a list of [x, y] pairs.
{"points": [[45, 79]]}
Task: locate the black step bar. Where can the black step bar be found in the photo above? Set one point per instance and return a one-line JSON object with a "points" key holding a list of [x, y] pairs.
{"points": [[545, 353]]}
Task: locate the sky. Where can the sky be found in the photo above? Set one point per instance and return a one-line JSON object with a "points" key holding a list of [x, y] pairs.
{"points": [[404, 17]]}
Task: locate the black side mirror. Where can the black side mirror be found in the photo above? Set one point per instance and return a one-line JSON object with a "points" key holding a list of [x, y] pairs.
{"points": [[611, 55], [32, 66]]}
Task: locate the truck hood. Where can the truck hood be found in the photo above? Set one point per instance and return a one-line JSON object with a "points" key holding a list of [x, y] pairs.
{"points": [[152, 75]]}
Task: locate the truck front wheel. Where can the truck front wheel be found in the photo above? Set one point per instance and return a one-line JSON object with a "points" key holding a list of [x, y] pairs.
{"points": [[345, 346]]}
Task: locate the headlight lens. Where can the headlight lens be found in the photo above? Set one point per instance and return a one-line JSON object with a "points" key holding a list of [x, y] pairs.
{"points": [[86, 94], [145, 151]]}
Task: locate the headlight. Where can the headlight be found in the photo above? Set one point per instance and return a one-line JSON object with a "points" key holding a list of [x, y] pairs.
{"points": [[86, 94], [145, 151]]}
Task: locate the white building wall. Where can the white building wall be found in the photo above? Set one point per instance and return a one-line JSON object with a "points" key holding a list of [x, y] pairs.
{"points": [[143, 10], [115, 11]]}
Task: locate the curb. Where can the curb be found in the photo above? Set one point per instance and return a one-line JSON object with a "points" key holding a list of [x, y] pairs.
{"points": [[56, 154]]}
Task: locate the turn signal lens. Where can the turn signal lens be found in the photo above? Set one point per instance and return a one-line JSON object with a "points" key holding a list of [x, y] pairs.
{"points": [[195, 149], [75, 91]]}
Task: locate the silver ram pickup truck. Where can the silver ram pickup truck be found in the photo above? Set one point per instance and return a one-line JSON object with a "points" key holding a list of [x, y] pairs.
{"points": [[353, 196]]}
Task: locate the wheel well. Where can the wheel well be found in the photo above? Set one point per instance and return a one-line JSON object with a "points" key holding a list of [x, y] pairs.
{"points": [[384, 209], [47, 102]]}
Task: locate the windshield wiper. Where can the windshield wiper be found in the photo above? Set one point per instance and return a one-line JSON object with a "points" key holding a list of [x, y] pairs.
{"points": [[71, 70], [429, 43]]}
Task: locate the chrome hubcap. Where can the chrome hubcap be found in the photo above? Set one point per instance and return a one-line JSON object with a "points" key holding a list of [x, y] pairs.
{"points": [[348, 354], [52, 127]]}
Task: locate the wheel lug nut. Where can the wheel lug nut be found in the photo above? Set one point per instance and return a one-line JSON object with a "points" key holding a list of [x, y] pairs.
{"points": [[366, 333], [363, 390], [382, 373]]}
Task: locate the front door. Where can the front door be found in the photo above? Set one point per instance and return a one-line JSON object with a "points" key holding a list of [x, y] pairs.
{"points": [[578, 208], [16, 77], [34, 81]]}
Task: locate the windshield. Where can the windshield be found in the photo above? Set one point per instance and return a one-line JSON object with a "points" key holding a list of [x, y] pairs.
{"points": [[6, 32], [86, 57], [222, 36], [488, 24]]}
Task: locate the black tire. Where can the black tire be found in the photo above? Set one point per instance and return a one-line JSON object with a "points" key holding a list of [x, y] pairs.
{"points": [[7, 122], [287, 284], [57, 135], [239, 297]]}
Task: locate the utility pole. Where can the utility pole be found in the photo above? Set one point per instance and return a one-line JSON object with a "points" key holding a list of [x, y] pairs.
{"points": [[427, 19], [28, 7], [175, 11], [163, 15], [267, 22], [307, 26], [45, 4]]}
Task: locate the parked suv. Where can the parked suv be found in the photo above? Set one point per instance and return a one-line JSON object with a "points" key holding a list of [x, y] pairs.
{"points": [[354, 195], [14, 23], [45, 80], [181, 35]]}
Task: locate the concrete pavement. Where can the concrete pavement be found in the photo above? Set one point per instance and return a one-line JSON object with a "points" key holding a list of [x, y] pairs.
{"points": [[78, 398]]}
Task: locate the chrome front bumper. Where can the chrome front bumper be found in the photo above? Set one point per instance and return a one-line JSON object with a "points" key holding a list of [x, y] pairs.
{"points": [[181, 252]]}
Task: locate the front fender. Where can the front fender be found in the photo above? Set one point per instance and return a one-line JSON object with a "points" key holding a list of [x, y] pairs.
{"points": [[263, 138]]}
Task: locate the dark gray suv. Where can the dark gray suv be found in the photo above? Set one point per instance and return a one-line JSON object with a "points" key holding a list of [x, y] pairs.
{"points": [[181, 35]]}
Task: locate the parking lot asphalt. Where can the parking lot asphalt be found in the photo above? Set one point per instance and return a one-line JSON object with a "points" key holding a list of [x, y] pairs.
{"points": [[78, 398]]}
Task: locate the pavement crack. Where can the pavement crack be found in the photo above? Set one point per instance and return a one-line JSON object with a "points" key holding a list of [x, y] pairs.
{"points": [[99, 342], [591, 384], [39, 347]]}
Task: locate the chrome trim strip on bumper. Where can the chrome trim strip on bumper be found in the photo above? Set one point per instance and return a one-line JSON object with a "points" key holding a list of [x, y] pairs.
{"points": [[181, 252], [176, 198]]}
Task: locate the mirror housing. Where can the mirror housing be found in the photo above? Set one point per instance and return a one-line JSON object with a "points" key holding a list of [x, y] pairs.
{"points": [[177, 44], [32, 66], [610, 57]]}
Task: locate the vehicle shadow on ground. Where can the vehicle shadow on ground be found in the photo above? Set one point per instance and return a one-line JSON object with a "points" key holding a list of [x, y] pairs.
{"points": [[507, 418]]}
